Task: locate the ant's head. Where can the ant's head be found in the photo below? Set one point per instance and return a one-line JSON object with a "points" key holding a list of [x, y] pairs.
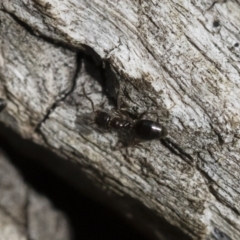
{"points": [[102, 119]]}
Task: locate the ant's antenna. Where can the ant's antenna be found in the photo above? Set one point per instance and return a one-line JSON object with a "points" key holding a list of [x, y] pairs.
{"points": [[84, 93]]}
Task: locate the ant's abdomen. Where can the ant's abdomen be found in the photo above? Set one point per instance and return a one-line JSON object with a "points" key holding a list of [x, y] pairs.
{"points": [[149, 130]]}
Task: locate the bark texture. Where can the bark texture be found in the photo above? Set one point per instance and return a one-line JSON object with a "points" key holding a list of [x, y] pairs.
{"points": [[178, 57]]}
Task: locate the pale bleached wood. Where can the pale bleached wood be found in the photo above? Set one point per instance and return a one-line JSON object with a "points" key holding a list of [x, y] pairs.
{"points": [[176, 55]]}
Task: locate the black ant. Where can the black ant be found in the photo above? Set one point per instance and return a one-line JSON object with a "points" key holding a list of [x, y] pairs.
{"points": [[141, 129], [3, 104]]}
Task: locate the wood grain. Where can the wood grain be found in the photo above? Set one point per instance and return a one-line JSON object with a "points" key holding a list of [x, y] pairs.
{"points": [[178, 57]]}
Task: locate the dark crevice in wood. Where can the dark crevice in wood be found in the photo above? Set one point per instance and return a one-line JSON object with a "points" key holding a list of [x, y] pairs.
{"points": [[177, 150], [219, 235], [220, 139], [213, 4], [56, 103], [219, 199], [57, 43], [36, 34]]}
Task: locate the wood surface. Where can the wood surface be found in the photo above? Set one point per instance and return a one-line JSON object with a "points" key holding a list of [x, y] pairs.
{"points": [[180, 58]]}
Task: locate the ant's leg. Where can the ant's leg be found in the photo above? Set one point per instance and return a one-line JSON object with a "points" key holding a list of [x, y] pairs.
{"points": [[119, 145], [148, 112], [121, 111], [119, 100], [89, 99], [121, 114], [117, 113], [137, 143], [156, 112], [102, 104], [132, 142], [152, 112]]}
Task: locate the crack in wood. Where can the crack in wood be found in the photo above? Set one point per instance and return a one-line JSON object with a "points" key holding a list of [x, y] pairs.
{"points": [[177, 150], [219, 235], [37, 34], [213, 191], [55, 104]]}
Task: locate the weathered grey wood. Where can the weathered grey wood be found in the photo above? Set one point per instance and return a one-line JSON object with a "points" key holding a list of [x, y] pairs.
{"points": [[23, 212], [179, 56]]}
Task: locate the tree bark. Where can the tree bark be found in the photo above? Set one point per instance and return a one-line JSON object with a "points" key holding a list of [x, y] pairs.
{"points": [[180, 58]]}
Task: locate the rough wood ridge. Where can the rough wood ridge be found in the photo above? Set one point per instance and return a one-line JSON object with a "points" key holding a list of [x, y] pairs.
{"points": [[176, 56]]}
